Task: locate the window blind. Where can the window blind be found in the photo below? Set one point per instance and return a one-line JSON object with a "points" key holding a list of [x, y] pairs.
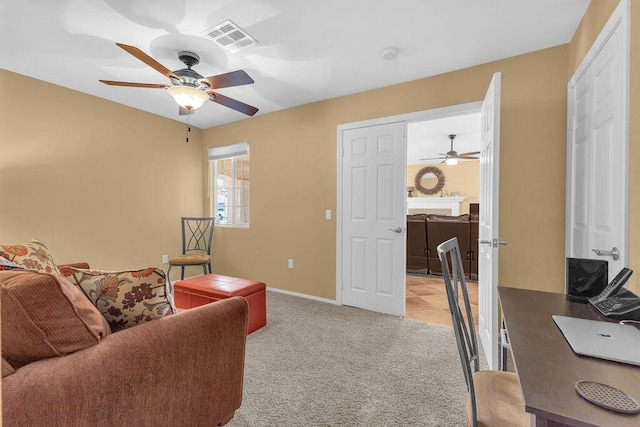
{"points": [[225, 151]]}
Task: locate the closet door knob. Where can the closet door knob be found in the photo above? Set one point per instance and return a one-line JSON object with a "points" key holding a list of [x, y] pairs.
{"points": [[613, 253]]}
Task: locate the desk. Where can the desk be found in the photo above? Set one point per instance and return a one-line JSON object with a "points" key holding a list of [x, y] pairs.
{"points": [[547, 367]]}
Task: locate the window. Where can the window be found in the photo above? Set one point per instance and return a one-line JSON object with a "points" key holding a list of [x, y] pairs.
{"points": [[230, 179]]}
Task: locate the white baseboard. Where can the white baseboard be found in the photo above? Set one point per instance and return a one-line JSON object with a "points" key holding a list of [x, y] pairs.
{"points": [[281, 291], [299, 295]]}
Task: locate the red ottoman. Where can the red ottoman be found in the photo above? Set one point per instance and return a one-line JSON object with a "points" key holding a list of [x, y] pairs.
{"points": [[202, 290]]}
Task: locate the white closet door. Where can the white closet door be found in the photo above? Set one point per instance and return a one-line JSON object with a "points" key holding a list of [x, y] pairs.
{"points": [[373, 219], [597, 149]]}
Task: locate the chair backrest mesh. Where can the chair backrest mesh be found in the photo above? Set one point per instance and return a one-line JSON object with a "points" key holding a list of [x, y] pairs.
{"points": [[463, 326], [197, 234]]}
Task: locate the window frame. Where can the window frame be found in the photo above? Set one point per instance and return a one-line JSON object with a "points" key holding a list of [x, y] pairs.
{"points": [[228, 152]]}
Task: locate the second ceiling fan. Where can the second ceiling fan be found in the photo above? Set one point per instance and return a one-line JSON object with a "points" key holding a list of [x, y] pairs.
{"points": [[452, 157], [188, 88]]}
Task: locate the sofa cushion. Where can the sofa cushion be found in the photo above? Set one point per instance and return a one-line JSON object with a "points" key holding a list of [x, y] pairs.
{"points": [[44, 315], [125, 298], [33, 255]]}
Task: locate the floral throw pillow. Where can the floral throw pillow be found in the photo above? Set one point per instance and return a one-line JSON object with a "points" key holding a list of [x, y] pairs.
{"points": [[125, 298], [32, 255]]}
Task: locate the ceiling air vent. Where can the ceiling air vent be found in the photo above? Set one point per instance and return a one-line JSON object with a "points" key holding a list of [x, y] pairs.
{"points": [[230, 36]]}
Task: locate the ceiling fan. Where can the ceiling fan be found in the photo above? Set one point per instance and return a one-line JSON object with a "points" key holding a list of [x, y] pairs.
{"points": [[188, 88], [452, 157]]}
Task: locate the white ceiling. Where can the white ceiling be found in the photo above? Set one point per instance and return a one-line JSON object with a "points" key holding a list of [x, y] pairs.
{"points": [[308, 50], [428, 139]]}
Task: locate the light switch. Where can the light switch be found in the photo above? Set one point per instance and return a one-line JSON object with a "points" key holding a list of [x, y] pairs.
{"points": [[327, 214]]}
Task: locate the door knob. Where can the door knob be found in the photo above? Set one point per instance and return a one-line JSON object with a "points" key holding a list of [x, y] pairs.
{"points": [[493, 242], [613, 253], [396, 230]]}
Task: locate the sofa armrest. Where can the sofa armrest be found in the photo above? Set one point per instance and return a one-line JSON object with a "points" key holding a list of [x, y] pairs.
{"points": [[184, 369]]}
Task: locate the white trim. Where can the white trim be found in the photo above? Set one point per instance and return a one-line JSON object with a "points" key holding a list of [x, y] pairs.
{"points": [[619, 17], [299, 295], [435, 113]]}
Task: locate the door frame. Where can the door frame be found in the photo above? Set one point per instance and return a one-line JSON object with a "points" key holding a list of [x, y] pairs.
{"points": [[432, 114], [619, 18]]}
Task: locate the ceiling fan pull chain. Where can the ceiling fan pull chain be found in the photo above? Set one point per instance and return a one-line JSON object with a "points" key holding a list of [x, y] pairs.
{"points": [[188, 126]]}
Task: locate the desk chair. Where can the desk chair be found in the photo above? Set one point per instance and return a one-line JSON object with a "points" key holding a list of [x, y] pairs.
{"points": [[493, 397], [196, 245]]}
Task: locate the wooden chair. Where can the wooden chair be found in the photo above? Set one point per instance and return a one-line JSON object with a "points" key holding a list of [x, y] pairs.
{"points": [[196, 245], [493, 397]]}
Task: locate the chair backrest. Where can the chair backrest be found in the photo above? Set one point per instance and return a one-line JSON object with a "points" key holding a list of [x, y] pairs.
{"points": [[463, 326], [197, 234]]}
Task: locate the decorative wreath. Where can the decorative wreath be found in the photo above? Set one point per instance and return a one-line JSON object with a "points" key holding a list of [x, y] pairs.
{"points": [[422, 172]]}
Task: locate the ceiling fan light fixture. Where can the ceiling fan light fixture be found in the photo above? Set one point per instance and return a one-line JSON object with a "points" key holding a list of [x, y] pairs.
{"points": [[451, 161], [188, 97]]}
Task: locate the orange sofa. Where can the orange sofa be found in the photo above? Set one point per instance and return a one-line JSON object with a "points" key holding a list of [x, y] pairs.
{"points": [[184, 369]]}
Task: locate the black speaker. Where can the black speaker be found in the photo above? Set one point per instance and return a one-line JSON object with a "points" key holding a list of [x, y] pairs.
{"points": [[586, 278]]}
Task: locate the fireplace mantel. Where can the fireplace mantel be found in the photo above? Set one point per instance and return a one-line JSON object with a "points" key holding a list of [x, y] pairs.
{"points": [[452, 203]]}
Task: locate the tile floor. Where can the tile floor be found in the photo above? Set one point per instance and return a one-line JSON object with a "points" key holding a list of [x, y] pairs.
{"points": [[427, 300]]}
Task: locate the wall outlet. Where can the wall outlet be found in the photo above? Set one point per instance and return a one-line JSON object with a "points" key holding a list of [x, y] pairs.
{"points": [[165, 259], [290, 264], [327, 214]]}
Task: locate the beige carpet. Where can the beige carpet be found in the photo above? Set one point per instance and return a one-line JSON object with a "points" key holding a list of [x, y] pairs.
{"points": [[317, 364]]}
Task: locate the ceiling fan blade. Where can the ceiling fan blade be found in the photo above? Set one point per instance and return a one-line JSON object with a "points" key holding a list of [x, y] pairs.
{"points": [[234, 78], [129, 84], [132, 50], [233, 103], [184, 112], [434, 158], [471, 153]]}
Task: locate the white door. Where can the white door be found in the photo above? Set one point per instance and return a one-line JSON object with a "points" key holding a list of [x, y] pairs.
{"points": [[488, 226], [597, 147], [373, 218]]}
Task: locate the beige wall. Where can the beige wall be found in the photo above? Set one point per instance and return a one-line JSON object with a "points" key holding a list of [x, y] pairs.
{"points": [[301, 142], [592, 23], [105, 183], [94, 180], [293, 170], [463, 179]]}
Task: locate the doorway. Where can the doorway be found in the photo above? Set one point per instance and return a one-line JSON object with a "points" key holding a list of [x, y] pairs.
{"points": [[488, 240], [434, 218], [345, 283]]}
